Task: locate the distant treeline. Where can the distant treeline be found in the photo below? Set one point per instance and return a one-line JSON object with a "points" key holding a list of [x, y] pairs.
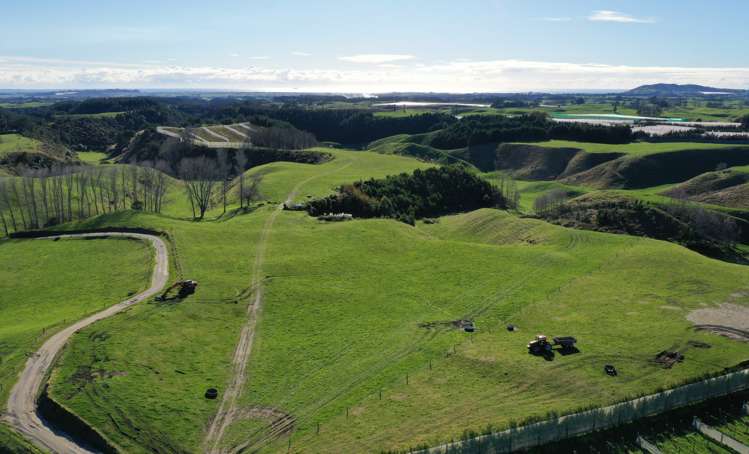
{"points": [[533, 127], [425, 193], [349, 126], [356, 127], [84, 133]]}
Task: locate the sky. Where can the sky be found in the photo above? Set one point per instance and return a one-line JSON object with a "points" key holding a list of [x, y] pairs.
{"points": [[366, 46]]}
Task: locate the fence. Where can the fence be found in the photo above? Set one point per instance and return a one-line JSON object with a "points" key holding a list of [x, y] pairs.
{"points": [[584, 422]]}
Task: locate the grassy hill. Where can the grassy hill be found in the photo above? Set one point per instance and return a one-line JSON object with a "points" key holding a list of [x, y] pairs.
{"points": [[15, 142], [341, 321], [361, 322], [634, 148], [179, 365], [729, 188], [357, 310], [62, 281], [19, 151]]}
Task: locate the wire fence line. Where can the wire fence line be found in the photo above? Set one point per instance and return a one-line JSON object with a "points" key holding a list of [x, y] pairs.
{"points": [[576, 424]]}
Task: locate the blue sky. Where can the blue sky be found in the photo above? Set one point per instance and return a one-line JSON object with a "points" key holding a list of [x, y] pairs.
{"points": [[371, 46]]}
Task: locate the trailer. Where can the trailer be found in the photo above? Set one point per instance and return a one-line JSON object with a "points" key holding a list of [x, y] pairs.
{"points": [[541, 344]]}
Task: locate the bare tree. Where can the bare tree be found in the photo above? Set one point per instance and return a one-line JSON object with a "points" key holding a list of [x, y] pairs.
{"points": [[241, 163], [224, 171], [201, 177], [550, 201]]}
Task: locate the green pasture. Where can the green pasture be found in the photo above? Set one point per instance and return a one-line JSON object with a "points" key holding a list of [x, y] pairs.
{"points": [[355, 333], [48, 284], [634, 148], [16, 142]]}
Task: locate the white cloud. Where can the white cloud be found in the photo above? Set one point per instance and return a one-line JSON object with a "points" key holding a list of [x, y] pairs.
{"points": [[234, 55], [449, 76], [616, 16], [376, 58], [260, 57], [301, 54], [556, 19]]}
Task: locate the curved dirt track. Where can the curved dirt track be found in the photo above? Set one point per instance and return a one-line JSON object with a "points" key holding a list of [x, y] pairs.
{"points": [[21, 410]]}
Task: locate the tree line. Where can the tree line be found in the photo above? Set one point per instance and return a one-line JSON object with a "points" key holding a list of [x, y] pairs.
{"points": [[50, 196], [424, 193], [533, 127]]}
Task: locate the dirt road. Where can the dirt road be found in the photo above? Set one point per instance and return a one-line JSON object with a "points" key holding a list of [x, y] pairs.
{"points": [[22, 409], [228, 411]]}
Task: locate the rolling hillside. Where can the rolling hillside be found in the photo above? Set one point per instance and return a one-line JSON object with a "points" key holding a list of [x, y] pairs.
{"points": [[372, 303]]}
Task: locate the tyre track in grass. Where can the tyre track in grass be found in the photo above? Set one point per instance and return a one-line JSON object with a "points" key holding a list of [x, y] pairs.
{"points": [[228, 412], [22, 412]]}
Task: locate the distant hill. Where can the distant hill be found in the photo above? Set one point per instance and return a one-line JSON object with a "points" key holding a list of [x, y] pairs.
{"points": [[680, 90]]}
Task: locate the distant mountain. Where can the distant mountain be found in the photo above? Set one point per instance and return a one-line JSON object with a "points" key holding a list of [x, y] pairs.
{"points": [[681, 90]]}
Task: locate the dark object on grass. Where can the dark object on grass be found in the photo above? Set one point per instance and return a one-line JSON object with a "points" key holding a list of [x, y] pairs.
{"points": [[610, 370], [185, 289], [668, 359], [211, 393], [469, 327], [566, 342], [698, 344], [510, 327]]}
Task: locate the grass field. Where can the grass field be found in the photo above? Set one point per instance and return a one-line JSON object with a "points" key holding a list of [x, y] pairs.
{"points": [[634, 148], [179, 365], [62, 281], [12, 443], [340, 323], [16, 142], [92, 157], [360, 319], [24, 105], [278, 179], [93, 115]]}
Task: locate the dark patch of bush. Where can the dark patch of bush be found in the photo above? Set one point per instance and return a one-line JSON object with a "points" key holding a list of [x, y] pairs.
{"points": [[407, 197]]}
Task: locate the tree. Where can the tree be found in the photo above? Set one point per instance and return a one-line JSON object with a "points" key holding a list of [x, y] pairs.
{"points": [[224, 171], [241, 162], [201, 176], [550, 201]]}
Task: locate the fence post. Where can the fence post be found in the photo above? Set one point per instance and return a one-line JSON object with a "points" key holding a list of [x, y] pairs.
{"points": [[406, 378], [318, 428], [380, 393]]}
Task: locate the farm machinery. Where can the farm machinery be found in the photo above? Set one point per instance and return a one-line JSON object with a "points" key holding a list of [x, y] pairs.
{"points": [[184, 289], [542, 346]]}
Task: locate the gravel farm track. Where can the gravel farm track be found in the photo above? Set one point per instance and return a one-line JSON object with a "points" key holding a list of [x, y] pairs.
{"points": [[229, 411], [21, 412]]}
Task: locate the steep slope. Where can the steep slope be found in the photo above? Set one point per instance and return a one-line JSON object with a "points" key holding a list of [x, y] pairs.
{"points": [[632, 172], [728, 188]]}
